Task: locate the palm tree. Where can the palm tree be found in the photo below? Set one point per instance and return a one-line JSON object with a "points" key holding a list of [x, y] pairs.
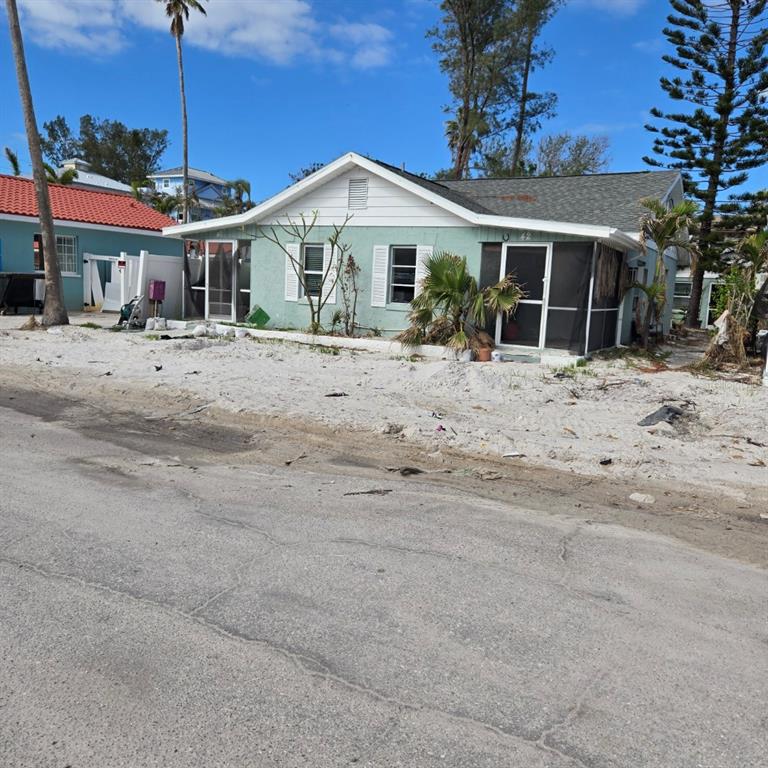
{"points": [[13, 161], [743, 291], [242, 189], [54, 311], [178, 12], [665, 228], [451, 309], [67, 176], [166, 204], [143, 189]]}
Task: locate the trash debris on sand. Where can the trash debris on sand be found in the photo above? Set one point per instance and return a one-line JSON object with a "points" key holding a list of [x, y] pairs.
{"points": [[405, 471], [337, 394], [30, 325], [291, 461], [668, 413], [642, 498]]}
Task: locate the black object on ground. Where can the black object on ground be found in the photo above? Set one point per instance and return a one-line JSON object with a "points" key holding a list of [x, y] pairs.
{"points": [[668, 413]]}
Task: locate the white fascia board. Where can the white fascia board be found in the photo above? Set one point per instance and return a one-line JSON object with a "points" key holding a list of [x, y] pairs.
{"points": [[83, 225], [610, 235]]}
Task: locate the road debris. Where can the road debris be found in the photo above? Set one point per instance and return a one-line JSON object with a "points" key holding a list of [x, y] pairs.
{"points": [[642, 498], [372, 492]]}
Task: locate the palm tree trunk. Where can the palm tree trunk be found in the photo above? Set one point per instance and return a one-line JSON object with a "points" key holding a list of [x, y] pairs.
{"points": [[184, 140], [54, 311]]}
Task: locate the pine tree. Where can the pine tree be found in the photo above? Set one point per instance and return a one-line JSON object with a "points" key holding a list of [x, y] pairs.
{"points": [[488, 49], [720, 50]]}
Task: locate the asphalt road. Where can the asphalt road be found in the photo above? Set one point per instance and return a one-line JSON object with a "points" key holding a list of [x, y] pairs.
{"points": [[199, 610]]}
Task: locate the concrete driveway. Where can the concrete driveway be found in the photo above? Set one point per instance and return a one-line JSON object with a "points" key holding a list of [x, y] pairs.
{"points": [[201, 610]]}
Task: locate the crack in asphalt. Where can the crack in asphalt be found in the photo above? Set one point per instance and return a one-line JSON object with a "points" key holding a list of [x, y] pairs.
{"points": [[571, 714], [303, 663]]}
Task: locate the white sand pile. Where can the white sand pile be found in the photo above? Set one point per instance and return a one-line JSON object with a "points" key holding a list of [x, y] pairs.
{"points": [[573, 423]]}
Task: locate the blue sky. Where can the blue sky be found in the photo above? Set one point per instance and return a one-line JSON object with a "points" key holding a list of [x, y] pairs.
{"points": [[274, 85]]}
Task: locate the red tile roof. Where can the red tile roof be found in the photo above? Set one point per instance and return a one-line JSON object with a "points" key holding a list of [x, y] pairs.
{"points": [[17, 196]]}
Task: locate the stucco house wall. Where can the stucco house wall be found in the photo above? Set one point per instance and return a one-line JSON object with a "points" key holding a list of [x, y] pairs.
{"points": [[16, 250]]}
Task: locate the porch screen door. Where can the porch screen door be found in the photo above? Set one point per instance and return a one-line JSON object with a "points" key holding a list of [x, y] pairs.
{"points": [[530, 265], [220, 273]]}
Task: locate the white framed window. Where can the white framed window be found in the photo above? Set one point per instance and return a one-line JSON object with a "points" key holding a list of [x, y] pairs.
{"points": [[166, 183], [682, 290], [312, 260], [402, 274], [66, 250]]}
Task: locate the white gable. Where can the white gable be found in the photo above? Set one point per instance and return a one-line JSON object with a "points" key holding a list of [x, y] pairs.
{"points": [[387, 205]]}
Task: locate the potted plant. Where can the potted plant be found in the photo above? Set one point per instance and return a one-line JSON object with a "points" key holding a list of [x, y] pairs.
{"points": [[451, 310]]}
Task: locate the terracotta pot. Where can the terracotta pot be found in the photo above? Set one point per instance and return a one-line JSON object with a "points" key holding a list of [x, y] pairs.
{"points": [[483, 355]]}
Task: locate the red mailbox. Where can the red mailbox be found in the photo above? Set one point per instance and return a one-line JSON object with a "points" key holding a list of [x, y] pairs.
{"points": [[156, 290]]}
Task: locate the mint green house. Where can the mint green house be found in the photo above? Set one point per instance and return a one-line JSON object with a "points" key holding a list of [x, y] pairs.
{"points": [[572, 242]]}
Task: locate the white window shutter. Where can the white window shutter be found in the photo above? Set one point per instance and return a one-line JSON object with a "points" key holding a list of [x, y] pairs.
{"points": [[291, 278], [329, 270], [379, 270], [423, 254]]}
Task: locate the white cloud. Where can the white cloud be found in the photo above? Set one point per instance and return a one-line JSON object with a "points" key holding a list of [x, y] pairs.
{"points": [[93, 27], [591, 128], [370, 43], [617, 7], [279, 32], [654, 46]]}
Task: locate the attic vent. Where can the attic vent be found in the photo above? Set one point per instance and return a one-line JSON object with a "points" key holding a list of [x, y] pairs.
{"points": [[358, 194]]}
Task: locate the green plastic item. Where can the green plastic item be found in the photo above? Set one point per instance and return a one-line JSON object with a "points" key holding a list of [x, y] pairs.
{"points": [[257, 317]]}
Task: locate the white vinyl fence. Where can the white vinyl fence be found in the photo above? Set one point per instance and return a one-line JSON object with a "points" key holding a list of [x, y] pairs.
{"points": [[128, 276]]}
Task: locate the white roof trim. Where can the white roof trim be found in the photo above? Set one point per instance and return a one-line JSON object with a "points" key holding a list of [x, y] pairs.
{"points": [[610, 235], [84, 225]]}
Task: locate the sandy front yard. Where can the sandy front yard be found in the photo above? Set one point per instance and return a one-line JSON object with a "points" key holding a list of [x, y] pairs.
{"points": [[585, 421]]}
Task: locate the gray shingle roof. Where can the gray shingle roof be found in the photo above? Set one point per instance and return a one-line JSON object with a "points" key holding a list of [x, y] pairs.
{"points": [[194, 173], [439, 188], [606, 199]]}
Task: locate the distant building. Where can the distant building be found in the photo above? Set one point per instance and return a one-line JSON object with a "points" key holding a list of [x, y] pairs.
{"points": [[88, 179], [206, 191]]}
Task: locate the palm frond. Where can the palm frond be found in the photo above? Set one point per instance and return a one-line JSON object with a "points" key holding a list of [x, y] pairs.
{"points": [[458, 341], [13, 160]]}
